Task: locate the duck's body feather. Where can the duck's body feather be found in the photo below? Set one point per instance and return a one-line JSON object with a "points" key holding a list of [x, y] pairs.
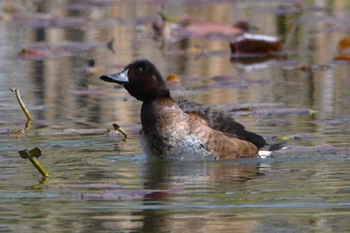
{"points": [[171, 130], [222, 121]]}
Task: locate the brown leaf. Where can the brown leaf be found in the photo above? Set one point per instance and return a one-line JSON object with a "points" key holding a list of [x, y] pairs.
{"points": [[343, 49]]}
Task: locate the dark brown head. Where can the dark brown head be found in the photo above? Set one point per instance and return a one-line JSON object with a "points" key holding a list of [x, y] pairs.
{"points": [[244, 26], [141, 79]]}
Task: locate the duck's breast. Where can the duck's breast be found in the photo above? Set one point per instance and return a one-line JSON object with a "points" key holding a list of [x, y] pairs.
{"points": [[166, 132]]}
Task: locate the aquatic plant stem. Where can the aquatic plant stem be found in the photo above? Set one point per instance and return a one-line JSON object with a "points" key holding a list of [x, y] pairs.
{"points": [[23, 107], [117, 127], [38, 166]]}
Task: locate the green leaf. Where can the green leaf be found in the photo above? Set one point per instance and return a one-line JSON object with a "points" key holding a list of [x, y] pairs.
{"points": [[36, 152], [24, 154]]}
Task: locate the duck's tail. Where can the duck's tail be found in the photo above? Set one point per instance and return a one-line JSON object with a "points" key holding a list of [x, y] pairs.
{"points": [[274, 147]]}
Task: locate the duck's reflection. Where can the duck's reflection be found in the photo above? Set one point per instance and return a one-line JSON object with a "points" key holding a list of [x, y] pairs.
{"points": [[189, 201], [247, 64]]}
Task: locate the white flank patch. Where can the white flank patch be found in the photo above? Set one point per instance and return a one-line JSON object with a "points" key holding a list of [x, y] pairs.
{"points": [[264, 154], [249, 36]]}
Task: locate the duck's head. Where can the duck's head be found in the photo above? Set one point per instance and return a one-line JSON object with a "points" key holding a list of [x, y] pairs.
{"points": [[141, 79]]}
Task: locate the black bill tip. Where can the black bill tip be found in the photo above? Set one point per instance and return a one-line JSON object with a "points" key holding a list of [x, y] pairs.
{"points": [[107, 78]]}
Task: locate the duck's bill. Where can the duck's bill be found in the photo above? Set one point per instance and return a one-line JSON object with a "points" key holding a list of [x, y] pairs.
{"points": [[119, 78]]}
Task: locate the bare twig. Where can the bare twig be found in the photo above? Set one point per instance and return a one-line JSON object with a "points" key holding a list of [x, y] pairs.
{"points": [[23, 107]]}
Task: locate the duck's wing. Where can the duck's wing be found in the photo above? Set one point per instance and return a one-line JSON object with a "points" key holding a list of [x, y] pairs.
{"points": [[221, 121]]}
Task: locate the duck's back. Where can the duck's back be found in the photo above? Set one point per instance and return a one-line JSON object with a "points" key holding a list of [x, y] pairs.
{"points": [[222, 122]]}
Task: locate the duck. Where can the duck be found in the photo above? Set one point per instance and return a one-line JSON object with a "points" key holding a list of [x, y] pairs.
{"points": [[182, 130], [254, 45]]}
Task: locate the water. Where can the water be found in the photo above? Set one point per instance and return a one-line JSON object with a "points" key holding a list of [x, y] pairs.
{"points": [[101, 183]]}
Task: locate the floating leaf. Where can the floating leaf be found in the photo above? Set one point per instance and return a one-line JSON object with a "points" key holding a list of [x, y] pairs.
{"points": [[344, 44], [342, 57], [343, 49], [173, 79], [287, 137], [312, 111]]}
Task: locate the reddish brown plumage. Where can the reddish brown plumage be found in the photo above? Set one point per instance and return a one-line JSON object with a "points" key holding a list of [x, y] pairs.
{"points": [[164, 117], [220, 145]]}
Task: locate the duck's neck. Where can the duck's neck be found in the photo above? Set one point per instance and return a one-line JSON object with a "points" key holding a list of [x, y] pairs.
{"points": [[157, 112]]}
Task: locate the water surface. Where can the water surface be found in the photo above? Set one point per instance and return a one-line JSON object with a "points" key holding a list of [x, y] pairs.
{"points": [[105, 184]]}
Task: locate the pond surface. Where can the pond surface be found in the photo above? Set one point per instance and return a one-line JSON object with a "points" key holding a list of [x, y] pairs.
{"points": [[102, 183]]}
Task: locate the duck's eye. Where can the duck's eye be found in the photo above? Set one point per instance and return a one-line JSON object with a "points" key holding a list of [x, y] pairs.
{"points": [[140, 70]]}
